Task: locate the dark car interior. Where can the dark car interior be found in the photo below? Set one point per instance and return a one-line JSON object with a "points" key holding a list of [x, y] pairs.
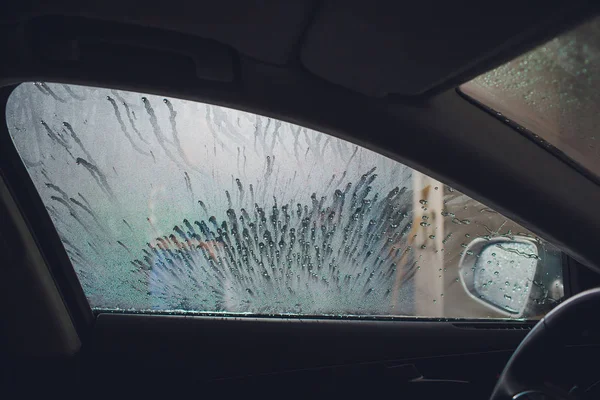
{"points": [[383, 75]]}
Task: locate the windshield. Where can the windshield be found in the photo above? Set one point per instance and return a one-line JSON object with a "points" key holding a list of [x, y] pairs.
{"points": [[171, 205], [554, 92]]}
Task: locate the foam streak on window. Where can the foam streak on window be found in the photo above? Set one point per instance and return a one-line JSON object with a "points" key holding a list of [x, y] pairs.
{"points": [[171, 205]]}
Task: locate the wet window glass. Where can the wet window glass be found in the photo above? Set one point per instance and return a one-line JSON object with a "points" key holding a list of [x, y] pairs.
{"points": [[167, 205], [554, 92]]}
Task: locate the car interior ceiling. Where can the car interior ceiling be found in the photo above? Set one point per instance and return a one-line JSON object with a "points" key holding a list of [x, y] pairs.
{"points": [[379, 74]]}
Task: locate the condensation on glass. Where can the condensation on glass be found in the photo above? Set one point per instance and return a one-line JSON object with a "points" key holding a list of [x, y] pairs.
{"points": [[168, 205], [552, 91]]}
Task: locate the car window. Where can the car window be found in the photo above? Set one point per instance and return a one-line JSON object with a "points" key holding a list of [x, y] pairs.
{"points": [[554, 92], [168, 205]]}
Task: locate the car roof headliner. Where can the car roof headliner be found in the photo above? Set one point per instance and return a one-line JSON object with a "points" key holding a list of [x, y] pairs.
{"points": [[380, 74], [375, 48]]}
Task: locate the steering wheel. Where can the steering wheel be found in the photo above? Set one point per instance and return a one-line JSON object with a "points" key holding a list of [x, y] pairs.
{"points": [[526, 374]]}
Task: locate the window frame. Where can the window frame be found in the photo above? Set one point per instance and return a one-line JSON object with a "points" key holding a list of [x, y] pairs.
{"points": [[41, 225]]}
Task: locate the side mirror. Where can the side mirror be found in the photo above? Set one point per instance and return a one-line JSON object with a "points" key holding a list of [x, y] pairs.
{"points": [[515, 276]]}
